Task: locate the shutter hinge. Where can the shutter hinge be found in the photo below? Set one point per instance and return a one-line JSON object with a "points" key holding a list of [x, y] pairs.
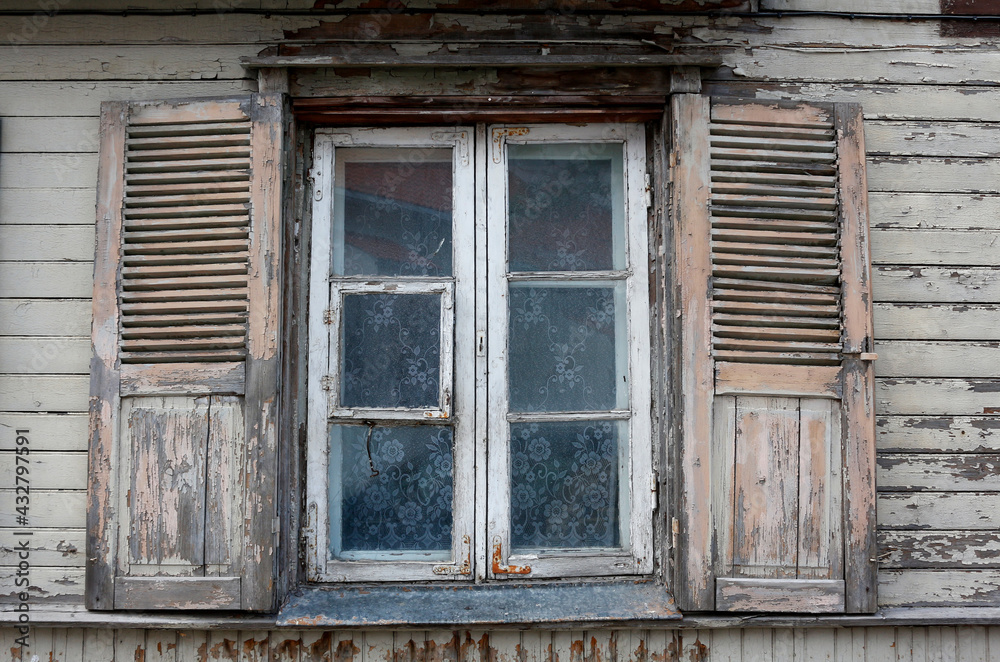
{"points": [[655, 489], [326, 381], [863, 356], [675, 529], [275, 524], [328, 316], [649, 192]]}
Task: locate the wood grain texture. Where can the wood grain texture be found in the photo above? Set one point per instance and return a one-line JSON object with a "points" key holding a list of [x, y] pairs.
{"points": [[953, 549], [936, 321], [936, 397], [973, 511], [911, 472], [810, 596], [899, 358], [938, 434], [39, 317], [934, 211]]}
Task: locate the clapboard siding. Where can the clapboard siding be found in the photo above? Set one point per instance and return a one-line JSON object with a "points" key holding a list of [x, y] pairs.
{"points": [[943, 211], [42, 206], [49, 134], [41, 243], [46, 432], [975, 643], [938, 434], [898, 358], [945, 511], [83, 99], [43, 317], [124, 62], [48, 393], [47, 547]]}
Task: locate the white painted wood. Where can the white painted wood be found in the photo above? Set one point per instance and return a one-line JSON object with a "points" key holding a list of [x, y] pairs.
{"points": [[48, 242], [46, 470], [924, 173], [920, 588], [83, 98], [939, 510], [46, 280], [935, 396], [946, 211], [938, 471], [35, 317], [920, 247], [936, 284], [855, 6], [47, 547], [905, 358], [49, 171], [146, 62], [933, 434], [49, 393], [938, 549], [45, 582], [46, 432], [948, 139], [936, 322], [483, 357], [58, 355], [40, 206], [56, 134]]}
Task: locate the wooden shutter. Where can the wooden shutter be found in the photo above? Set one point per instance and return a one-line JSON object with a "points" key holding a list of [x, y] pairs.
{"points": [[776, 466], [184, 376]]}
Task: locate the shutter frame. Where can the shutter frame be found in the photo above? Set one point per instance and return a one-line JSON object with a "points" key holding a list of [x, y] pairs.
{"points": [[239, 397], [705, 577]]}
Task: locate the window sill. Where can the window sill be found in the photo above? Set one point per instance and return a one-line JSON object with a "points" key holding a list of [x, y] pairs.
{"points": [[479, 605]]}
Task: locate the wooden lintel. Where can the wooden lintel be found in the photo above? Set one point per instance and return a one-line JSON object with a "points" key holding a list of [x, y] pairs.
{"points": [[782, 595], [177, 592]]}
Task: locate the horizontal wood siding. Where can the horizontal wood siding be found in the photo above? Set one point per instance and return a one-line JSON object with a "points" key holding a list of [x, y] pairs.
{"points": [[932, 123]]}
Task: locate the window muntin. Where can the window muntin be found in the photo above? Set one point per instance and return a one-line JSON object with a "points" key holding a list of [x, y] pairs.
{"points": [[571, 214]]}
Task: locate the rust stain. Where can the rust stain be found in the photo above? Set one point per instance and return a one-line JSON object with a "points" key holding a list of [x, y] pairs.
{"points": [[499, 568]]}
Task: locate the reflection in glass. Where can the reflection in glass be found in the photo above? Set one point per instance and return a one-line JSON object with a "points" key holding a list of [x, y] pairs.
{"points": [[408, 505], [565, 207], [565, 484], [393, 212], [566, 353], [391, 350]]}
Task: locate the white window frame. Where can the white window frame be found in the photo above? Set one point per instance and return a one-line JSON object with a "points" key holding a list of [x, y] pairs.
{"points": [[457, 345], [479, 381]]}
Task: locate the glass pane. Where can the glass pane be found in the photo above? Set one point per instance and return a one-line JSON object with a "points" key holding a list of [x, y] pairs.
{"points": [[567, 352], [393, 212], [390, 350], [407, 505], [566, 207], [565, 480]]}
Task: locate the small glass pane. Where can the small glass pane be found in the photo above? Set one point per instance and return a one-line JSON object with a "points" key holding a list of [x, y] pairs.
{"points": [[407, 505], [567, 352], [391, 350], [566, 207], [393, 211], [565, 484]]}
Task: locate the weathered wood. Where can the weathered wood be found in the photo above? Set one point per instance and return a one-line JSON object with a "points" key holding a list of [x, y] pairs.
{"points": [[83, 98], [33, 317], [938, 434], [44, 355], [55, 584], [936, 397], [47, 547], [49, 508], [920, 247], [44, 393], [820, 498], [47, 470], [690, 118], [936, 322], [939, 510], [46, 432], [939, 471], [33, 171], [932, 139], [763, 379], [856, 6], [933, 211], [925, 588], [46, 280], [954, 549], [47, 205], [936, 284], [803, 595], [177, 592], [898, 358], [37, 134]]}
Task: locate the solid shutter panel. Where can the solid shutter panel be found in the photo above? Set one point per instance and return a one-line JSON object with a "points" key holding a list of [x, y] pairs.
{"points": [[184, 377], [777, 509]]}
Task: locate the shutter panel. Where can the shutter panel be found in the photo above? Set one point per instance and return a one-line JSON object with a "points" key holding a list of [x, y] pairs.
{"points": [[184, 376], [776, 511]]}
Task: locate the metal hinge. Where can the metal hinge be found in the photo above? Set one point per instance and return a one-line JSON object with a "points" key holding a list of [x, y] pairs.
{"points": [[499, 568], [328, 316], [655, 489], [326, 381], [649, 191], [675, 529]]}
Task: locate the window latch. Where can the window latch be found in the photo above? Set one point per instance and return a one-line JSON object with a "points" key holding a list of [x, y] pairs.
{"points": [[499, 568]]}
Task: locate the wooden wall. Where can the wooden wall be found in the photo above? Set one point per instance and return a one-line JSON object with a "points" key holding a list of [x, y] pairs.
{"points": [[932, 121]]}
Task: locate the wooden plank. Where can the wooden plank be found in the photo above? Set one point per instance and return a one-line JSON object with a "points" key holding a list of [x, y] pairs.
{"points": [[820, 514], [765, 379], [899, 358], [933, 588], [45, 582], [44, 393], [855, 6], [43, 134], [934, 211], [939, 549], [202, 378], [46, 432], [948, 175], [967, 472], [47, 547], [723, 490], [223, 645], [936, 284], [130, 644], [933, 434], [766, 489], [920, 247], [177, 592], [47, 205], [45, 355], [47, 470], [46, 280], [224, 488], [39, 317], [786, 595], [191, 644], [937, 397], [45, 243], [936, 322], [948, 139], [34, 171], [939, 510], [161, 646]]}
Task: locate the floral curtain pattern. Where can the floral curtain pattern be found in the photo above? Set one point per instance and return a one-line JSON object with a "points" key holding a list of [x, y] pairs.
{"points": [[408, 505], [391, 352], [564, 484]]}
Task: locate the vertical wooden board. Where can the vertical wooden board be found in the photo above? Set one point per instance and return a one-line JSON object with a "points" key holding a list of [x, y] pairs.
{"points": [[695, 645], [689, 117], [377, 647], [44, 642], [723, 467], [161, 646], [880, 644], [993, 641], [818, 645], [409, 645], [74, 645], [223, 521], [562, 644], [192, 645], [317, 646], [972, 643], [167, 438], [766, 490], [727, 645], [223, 645], [661, 646], [941, 644], [505, 646], [904, 644], [474, 647], [534, 646], [287, 644], [758, 645], [255, 646], [99, 644], [598, 646], [918, 644], [819, 501], [130, 645], [843, 644]]}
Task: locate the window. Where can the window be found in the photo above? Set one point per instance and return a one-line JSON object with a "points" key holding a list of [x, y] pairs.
{"points": [[479, 304]]}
